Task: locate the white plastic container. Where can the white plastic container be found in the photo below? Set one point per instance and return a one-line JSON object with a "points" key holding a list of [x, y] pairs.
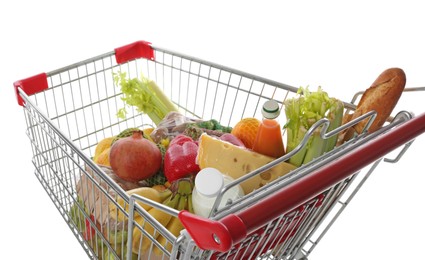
{"points": [[208, 184]]}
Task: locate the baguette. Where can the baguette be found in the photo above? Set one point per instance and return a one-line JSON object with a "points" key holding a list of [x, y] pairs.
{"points": [[382, 96]]}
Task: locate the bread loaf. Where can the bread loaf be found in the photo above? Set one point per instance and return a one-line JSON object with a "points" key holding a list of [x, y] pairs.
{"points": [[382, 96]]}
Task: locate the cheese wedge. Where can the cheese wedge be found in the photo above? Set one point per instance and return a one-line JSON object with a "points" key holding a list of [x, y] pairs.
{"points": [[237, 161]]}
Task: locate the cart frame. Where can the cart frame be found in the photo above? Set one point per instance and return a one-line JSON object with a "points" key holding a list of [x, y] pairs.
{"points": [[69, 110]]}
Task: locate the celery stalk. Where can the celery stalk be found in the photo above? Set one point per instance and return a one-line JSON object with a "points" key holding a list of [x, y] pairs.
{"points": [[315, 147], [295, 136], [304, 111], [335, 117], [145, 95]]}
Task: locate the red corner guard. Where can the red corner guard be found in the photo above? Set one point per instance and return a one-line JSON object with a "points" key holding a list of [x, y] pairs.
{"points": [[139, 49], [213, 235], [30, 86]]}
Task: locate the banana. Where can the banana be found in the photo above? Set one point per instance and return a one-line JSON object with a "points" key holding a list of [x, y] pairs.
{"points": [[157, 193], [181, 195], [190, 204], [140, 240], [160, 187], [174, 226]]}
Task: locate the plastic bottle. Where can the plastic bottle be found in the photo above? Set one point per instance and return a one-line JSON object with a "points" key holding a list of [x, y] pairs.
{"points": [[208, 184], [269, 136]]}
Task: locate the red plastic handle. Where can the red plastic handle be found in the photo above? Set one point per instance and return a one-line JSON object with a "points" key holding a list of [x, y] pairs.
{"points": [[30, 86], [139, 49], [215, 235], [232, 229]]}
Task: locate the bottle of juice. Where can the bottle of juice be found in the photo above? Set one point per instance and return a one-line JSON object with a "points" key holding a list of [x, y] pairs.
{"points": [[269, 136]]}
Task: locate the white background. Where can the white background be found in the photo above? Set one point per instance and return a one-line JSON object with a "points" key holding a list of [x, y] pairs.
{"points": [[341, 46]]}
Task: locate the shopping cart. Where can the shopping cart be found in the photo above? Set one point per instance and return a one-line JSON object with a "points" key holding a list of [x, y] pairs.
{"points": [[69, 110]]}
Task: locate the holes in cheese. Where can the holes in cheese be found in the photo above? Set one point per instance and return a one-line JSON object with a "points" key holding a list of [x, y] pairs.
{"points": [[237, 161]]}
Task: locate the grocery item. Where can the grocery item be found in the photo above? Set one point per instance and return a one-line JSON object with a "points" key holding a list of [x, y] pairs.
{"points": [[237, 161], [381, 97], [135, 158], [159, 177], [213, 124], [208, 184], [94, 198], [179, 199], [246, 130], [145, 95], [269, 136], [174, 226], [104, 144], [141, 242], [103, 158], [156, 193], [89, 231], [303, 112], [231, 139], [175, 123], [126, 133], [180, 158]]}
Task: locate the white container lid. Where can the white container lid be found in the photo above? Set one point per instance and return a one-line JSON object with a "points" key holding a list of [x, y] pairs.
{"points": [[271, 109], [209, 182]]}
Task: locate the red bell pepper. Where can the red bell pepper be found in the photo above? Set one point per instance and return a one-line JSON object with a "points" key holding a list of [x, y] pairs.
{"points": [[89, 231], [180, 158]]}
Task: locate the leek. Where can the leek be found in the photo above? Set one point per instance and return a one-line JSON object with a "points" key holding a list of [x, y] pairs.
{"points": [[145, 95], [304, 111]]}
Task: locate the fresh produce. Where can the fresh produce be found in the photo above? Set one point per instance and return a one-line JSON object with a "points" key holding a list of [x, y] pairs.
{"points": [[135, 158], [246, 130], [103, 148], [147, 133], [159, 177], [213, 124], [195, 132], [101, 153], [237, 161], [173, 124], [89, 231], [301, 113], [231, 139], [112, 240], [180, 158], [103, 145], [145, 95], [157, 193], [129, 132], [103, 157], [76, 214], [174, 226], [176, 123], [126, 133], [94, 196], [181, 195]]}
